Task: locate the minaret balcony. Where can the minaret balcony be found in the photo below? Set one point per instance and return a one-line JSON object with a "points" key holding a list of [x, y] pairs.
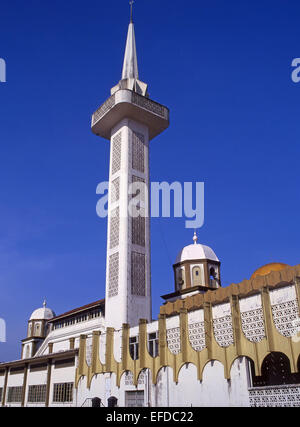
{"points": [[127, 104]]}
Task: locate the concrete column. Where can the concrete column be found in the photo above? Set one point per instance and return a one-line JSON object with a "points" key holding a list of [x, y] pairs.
{"points": [[49, 371], [5, 387], [24, 384]]}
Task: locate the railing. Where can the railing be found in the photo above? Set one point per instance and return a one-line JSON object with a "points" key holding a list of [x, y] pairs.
{"points": [[150, 105], [108, 104], [139, 100], [88, 403], [275, 396]]}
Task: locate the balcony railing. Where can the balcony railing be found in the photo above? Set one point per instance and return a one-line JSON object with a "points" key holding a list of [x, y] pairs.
{"points": [[150, 105], [136, 99], [108, 104], [275, 396]]}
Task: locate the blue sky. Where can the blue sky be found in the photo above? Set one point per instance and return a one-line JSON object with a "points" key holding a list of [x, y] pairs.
{"points": [[224, 70]]}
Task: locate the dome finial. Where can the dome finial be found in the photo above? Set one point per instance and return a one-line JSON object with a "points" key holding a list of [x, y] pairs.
{"points": [[44, 303], [195, 238]]}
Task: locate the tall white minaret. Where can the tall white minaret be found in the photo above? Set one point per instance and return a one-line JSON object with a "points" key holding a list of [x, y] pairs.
{"points": [[129, 119]]}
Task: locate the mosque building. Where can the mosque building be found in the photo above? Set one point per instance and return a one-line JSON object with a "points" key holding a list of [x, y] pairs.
{"points": [[210, 346]]}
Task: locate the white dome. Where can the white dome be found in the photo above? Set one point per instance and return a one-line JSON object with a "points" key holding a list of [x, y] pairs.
{"points": [[196, 251], [43, 313]]}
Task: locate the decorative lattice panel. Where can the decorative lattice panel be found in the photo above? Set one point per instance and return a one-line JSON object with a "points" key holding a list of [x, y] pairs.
{"points": [[138, 231], [129, 378], [253, 324], [286, 317], [89, 346], [138, 152], [197, 335], [141, 193], [152, 106], [138, 274], [173, 340], [113, 275], [223, 331], [115, 190], [114, 228], [139, 222], [104, 109], [275, 396], [116, 154]]}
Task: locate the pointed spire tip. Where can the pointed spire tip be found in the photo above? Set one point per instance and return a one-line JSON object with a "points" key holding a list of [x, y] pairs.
{"points": [[131, 10]]}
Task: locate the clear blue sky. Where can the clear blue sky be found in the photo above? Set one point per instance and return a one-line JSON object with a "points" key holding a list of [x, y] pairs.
{"points": [[224, 70]]}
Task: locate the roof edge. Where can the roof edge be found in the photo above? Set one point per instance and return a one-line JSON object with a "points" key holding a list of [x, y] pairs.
{"points": [[274, 279]]}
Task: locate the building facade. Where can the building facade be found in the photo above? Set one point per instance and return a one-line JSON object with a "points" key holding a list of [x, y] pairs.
{"points": [[210, 346]]}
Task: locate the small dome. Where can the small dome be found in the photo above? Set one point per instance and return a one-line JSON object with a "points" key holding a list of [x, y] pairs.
{"points": [[266, 269], [196, 251], [43, 313]]}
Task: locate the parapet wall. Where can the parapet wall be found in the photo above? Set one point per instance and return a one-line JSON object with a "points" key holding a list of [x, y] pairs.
{"points": [[249, 319]]}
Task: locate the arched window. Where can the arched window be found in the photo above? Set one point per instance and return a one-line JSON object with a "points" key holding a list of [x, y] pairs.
{"points": [[197, 276], [112, 402], [37, 329], [275, 370], [180, 278], [213, 279], [96, 402]]}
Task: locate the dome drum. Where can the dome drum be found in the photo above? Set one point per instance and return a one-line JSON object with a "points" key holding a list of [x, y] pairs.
{"points": [[196, 270]]}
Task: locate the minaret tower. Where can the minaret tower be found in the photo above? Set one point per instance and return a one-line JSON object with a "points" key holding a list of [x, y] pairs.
{"points": [[129, 120]]}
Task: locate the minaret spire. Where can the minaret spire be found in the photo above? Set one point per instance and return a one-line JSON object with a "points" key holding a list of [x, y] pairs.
{"points": [[130, 120], [130, 73], [130, 65]]}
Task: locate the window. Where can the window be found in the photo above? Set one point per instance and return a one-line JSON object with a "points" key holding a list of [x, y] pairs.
{"points": [[213, 278], [180, 278], [197, 277], [153, 344], [63, 392], [1, 394], [112, 402], [134, 399], [134, 347], [37, 393], [14, 394], [275, 370]]}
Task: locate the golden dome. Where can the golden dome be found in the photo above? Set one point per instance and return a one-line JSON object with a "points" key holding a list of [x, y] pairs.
{"points": [[266, 269]]}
